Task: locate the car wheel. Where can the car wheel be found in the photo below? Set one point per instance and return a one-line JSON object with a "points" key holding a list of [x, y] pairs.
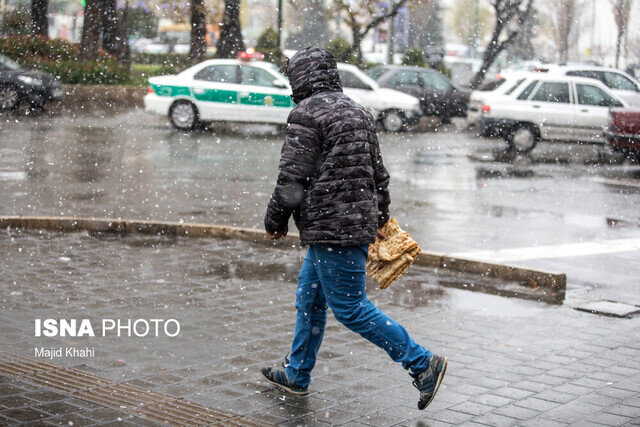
{"points": [[183, 115], [9, 97], [523, 138], [392, 120]]}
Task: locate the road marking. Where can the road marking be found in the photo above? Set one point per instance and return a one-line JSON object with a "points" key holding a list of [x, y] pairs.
{"points": [[554, 251]]}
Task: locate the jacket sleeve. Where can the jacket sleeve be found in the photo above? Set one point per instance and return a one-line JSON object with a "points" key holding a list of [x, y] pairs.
{"points": [[381, 178], [298, 164]]}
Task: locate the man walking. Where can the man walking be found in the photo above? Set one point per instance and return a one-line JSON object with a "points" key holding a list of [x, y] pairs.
{"points": [[333, 182]]}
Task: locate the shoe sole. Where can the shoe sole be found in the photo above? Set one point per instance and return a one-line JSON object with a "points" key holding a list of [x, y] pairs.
{"points": [[440, 376], [285, 388]]}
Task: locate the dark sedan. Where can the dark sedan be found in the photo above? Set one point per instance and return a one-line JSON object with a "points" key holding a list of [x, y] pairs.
{"points": [[21, 85], [437, 95]]}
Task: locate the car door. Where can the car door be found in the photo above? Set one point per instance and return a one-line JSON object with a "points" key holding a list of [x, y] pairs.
{"points": [[407, 81], [592, 111], [437, 94], [553, 110], [264, 97], [215, 92]]}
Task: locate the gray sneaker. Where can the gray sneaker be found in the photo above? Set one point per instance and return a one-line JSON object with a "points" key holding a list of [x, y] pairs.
{"points": [[429, 381]]}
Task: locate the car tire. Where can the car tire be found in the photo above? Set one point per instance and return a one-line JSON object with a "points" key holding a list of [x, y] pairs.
{"points": [[9, 98], [523, 138], [393, 120], [183, 115]]}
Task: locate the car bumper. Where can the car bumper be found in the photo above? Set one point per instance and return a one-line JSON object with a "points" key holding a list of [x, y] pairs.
{"points": [[627, 141], [157, 104], [494, 127]]}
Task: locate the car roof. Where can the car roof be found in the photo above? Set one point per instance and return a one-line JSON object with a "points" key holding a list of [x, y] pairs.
{"points": [[405, 67], [262, 64]]}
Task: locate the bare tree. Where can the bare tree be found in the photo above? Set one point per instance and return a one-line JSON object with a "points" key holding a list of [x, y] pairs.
{"points": [[364, 16], [39, 18], [230, 42], [565, 17], [198, 31], [621, 13], [90, 41], [511, 17]]}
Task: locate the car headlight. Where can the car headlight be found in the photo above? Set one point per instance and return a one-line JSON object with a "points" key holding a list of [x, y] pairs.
{"points": [[30, 80]]}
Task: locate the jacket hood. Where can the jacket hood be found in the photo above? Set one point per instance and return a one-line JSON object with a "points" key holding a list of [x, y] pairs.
{"points": [[312, 70]]}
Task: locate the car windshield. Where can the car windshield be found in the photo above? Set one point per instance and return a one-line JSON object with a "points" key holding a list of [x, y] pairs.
{"points": [[8, 64], [376, 72]]}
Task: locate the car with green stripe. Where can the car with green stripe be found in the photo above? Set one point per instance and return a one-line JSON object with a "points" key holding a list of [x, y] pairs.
{"points": [[254, 91], [221, 90]]}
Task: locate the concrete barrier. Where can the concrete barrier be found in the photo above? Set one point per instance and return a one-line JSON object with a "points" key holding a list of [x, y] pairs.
{"points": [[532, 279]]}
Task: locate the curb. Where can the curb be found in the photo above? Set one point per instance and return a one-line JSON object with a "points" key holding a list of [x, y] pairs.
{"points": [[532, 279]]}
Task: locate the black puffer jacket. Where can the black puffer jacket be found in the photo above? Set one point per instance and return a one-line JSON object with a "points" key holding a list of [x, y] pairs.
{"points": [[331, 177]]}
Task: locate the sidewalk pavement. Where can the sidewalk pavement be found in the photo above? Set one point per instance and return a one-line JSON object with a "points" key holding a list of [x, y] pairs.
{"points": [[512, 362]]}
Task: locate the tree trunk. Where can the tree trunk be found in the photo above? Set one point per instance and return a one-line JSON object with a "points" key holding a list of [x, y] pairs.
{"points": [[619, 46], [110, 27], [39, 17], [230, 42], [90, 42], [198, 32]]}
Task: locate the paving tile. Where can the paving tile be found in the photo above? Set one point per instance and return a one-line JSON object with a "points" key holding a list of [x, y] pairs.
{"points": [[624, 410], [608, 419], [492, 400], [536, 404], [555, 396], [496, 420], [451, 416]]}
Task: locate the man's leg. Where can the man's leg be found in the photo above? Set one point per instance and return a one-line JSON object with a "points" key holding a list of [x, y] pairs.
{"points": [[342, 273], [310, 323]]}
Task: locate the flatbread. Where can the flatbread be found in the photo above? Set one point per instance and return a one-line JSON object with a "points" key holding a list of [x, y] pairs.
{"points": [[390, 259]]}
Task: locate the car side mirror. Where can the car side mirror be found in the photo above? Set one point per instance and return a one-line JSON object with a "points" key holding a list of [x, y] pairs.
{"points": [[280, 84]]}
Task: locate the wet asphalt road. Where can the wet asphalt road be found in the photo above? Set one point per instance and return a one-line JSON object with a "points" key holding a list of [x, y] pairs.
{"points": [[450, 189]]}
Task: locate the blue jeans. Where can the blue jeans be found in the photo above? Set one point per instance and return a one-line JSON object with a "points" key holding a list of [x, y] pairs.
{"points": [[334, 276]]}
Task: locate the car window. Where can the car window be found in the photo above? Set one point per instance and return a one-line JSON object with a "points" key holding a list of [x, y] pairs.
{"points": [[527, 91], [552, 92], [350, 80], [592, 95], [434, 81], [218, 73], [405, 78], [514, 87], [256, 76], [376, 72], [618, 81]]}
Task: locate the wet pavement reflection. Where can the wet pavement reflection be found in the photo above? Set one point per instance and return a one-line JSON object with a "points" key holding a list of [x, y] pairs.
{"points": [[456, 193]]}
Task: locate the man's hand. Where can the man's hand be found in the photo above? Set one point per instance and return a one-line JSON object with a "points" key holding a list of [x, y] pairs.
{"points": [[381, 235], [278, 234]]}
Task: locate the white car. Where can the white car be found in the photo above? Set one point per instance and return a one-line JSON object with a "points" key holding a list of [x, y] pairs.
{"points": [[619, 83], [550, 107], [503, 84], [250, 91], [393, 109]]}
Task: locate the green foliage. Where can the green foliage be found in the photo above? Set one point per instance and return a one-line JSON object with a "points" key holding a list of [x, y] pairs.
{"points": [[342, 50], [268, 46], [60, 58], [140, 73], [414, 56], [142, 22], [172, 63], [443, 69]]}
